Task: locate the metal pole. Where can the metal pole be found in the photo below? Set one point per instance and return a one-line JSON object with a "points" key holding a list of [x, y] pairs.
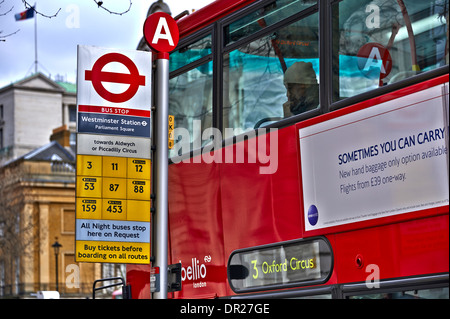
{"points": [[35, 42], [56, 246], [162, 121], [56, 271]]}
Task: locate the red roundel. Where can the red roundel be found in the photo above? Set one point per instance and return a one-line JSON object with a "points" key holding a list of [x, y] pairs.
{"points": [[374, 60], [97, 76], [161, 32]]}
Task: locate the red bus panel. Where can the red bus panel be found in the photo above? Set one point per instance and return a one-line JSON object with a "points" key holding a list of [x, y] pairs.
{"points": [[219, 207]]}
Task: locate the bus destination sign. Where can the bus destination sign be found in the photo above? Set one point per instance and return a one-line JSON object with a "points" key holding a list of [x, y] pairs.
{"points": [[281, 265]]}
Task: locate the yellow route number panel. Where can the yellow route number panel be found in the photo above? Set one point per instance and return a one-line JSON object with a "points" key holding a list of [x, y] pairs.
{"points": [[89, 186], [89, 208], [138, 168], [113, 209], [89, 165], [114, 167], [114, 188]]}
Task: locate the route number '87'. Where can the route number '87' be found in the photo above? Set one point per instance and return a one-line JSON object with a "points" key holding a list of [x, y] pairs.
{"points": [[113, 187]]}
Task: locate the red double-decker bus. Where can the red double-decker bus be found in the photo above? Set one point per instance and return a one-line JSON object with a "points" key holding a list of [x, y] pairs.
{"points": [[310, 157]]}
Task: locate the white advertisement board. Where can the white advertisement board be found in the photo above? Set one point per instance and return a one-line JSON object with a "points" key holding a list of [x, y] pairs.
{"points": [[384, 160]]}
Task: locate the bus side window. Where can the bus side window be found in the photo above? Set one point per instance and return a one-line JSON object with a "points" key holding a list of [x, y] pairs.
{"points": [[190, 92], [190, 103], [431, 293], [255, 86], [372, 46]]}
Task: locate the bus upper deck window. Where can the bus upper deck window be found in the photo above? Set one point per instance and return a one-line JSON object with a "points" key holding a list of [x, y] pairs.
{"points": [[264, 17], [190, 92], [273, 77], [190, 103], [377, 43], [190, 53]]}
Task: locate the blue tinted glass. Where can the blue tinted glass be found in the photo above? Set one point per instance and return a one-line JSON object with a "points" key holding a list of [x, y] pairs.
{"points": [[190, 53]]}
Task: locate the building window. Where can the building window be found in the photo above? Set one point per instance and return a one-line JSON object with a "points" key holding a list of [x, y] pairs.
{"points": [[68, 221], [72, 113]]}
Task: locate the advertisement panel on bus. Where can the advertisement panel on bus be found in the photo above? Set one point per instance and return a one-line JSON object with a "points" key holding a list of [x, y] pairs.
{"points": [[367, 164]]}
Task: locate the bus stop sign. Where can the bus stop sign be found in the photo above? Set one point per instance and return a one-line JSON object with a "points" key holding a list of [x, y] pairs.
{"points": [[161, 32]]}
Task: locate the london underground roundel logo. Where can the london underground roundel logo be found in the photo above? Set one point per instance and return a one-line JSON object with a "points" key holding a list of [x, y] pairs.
{"points": [[97, 76]]}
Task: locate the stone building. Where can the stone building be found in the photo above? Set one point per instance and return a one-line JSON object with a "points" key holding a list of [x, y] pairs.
{"points": [[37, 208], [29, 110]]}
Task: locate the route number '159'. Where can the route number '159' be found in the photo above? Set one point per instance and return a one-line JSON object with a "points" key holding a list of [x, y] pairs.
{"points": [[89, 207]]}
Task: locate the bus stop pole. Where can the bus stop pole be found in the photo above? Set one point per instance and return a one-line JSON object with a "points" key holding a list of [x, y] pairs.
{"points": [[161, 229], [162, 35]]}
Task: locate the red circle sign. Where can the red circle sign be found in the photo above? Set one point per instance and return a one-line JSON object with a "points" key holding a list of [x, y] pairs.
{"points": [[161, 32], [374, 61], [97, 76]]}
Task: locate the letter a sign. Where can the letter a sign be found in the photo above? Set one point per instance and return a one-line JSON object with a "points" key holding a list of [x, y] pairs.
{"points": [[374, 61], [161, 32]]}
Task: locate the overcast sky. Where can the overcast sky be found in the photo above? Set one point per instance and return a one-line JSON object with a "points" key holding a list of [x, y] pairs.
{"points": [[78, 22]]}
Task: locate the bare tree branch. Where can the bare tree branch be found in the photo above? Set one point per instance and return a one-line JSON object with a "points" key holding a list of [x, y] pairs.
{"points": [[28, 6], [13, 198], [2, 37], [100, 5], [98, 2], [5, 13]]}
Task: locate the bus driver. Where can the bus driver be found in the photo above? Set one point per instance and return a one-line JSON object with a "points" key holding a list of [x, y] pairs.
{"points": [[302, 89]]}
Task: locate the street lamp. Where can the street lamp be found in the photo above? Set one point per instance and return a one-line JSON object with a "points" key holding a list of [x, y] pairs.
{"points": [[56, 246]]}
